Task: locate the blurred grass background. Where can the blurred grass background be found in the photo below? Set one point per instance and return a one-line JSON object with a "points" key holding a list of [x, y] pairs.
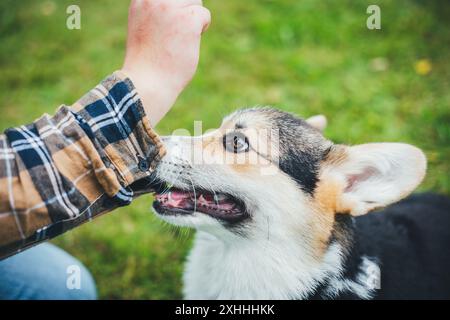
{"points": [[305, 56]]}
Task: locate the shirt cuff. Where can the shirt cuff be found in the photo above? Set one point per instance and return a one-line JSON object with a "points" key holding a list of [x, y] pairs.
{"points": [[113, 117]]}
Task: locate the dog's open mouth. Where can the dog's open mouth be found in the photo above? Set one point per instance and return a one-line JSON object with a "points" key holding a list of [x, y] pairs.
{"points": [[218, 205]]}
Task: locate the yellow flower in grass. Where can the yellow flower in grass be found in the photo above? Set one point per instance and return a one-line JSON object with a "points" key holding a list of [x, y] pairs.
{"points": [[423, 67], [48, 8]]}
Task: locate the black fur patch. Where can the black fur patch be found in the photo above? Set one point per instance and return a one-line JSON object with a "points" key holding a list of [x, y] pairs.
{"points": [[409, 240], [302, 168], [302, 150]]}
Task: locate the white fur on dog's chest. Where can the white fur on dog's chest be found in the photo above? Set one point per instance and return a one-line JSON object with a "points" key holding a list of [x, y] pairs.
{"points": [[218, 270]]}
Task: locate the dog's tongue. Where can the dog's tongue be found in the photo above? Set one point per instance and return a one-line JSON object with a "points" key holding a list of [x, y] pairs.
{"points": [[179, 195], [174, 198]]}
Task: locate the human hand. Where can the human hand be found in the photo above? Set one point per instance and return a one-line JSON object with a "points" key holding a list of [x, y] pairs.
{"points": [[163, 48]]}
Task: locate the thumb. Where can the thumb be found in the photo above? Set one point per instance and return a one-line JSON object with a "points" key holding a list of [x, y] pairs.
{"points": [[203, 17]]}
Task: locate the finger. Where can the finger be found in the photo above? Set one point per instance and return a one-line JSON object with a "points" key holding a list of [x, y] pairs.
{"points": [[203, 16], [207, 21], [185, 3]]}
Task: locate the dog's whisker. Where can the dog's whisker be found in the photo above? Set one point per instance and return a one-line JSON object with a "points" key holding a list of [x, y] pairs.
{"points": [[169, 187], [195, 194], [214, 192], [152, 179], [207, 180]]}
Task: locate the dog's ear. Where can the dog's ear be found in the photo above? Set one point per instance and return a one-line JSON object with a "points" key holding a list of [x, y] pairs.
{"points": [[369, 176], [319, 122]]}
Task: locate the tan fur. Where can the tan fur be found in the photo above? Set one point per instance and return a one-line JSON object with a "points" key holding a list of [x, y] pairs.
{"points": [[328, 191], [327, 199]]}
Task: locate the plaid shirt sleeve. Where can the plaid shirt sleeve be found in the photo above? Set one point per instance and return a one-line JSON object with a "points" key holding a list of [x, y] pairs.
{"points": [[63, 170]]}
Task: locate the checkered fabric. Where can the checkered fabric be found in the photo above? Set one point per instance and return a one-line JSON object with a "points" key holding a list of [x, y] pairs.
{"points": [[63, 170]]}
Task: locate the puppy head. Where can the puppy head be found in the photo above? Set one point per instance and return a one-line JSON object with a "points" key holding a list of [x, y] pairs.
{"points": [[267, 173]]}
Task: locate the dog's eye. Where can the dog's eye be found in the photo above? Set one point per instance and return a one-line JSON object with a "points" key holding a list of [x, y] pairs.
{"points": [[236, 142]]}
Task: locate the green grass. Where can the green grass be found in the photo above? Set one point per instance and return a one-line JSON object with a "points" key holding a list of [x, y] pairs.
{"points": [[306, 56]]}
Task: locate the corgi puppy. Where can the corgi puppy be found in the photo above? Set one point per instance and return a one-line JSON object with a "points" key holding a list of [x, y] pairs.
{"points": [[281, 212]]}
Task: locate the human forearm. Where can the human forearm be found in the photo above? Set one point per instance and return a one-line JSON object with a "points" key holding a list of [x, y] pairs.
{"points": [[61, 171]]}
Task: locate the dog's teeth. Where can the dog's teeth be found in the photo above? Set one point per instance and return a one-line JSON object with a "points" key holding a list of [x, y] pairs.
{"points": [[202, 201], [220, 197]]}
